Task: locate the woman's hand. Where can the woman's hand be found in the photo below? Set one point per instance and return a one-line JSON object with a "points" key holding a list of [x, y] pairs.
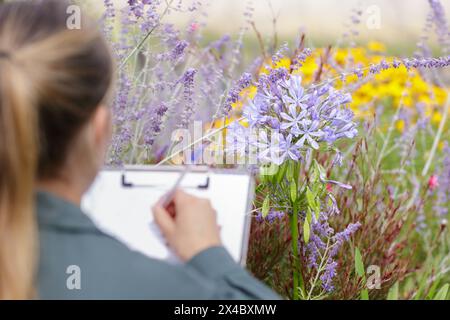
{"points": [[189, 225]]}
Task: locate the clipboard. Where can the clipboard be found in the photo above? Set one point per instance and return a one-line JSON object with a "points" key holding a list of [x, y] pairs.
{"points": [[119, 202]]}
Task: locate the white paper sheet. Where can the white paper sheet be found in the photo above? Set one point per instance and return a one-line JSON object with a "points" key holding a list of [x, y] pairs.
{"points": [[125, 213]]}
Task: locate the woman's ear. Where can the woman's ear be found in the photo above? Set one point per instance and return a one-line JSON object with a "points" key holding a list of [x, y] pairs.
{"points": [[102, 129]]}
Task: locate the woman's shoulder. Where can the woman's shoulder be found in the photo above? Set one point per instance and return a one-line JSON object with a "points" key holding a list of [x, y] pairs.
{"points": [[77, 260]]}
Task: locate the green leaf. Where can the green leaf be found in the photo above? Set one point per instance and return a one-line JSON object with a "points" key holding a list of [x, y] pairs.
{"points": [[281, 173], [319, 168], [364, 294], [306, 231], [308, 214], [359, 264], [317, 209], [293, 187], [421, 287], [314, 175], [393, 292], [433, 289], [290, 171], [329, 201], [265, 206], [442, 293], [310, 198]]}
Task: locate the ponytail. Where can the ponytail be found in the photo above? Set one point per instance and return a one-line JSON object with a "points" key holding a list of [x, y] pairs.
{"points": [[51, 82], [18, 161]]}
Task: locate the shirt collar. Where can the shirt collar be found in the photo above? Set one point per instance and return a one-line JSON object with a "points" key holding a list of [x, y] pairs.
{"points": [[55, 212]]}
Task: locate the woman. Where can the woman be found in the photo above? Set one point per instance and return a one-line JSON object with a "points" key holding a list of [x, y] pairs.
{"points": [[54, 132]]}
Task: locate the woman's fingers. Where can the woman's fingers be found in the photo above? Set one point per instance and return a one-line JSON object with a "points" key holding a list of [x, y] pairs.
{"points": [[164, 220], [181, 198], [192, 229]]}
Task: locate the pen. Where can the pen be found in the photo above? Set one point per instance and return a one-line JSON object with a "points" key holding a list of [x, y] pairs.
{"points": [[169, 195]]}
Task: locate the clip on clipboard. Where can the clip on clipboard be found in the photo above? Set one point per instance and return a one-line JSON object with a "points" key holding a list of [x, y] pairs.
{"points": [[120, 202], [127, 184]]}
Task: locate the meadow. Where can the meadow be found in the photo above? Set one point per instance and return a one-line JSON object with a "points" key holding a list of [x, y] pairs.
{"points": [[348, 144]]}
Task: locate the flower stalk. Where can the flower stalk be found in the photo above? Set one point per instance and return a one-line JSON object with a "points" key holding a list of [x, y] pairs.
{"points": [[298, 284]]}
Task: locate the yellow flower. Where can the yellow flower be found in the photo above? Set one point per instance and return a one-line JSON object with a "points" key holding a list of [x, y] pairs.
{"points": [[400, 125], [436, 118], [376, 46], [419, 85], [389, 87], [426, 99], [220, 123], [247, 93], [440, 94], [283, 63], [237, 105], [341, 56], [408, 101], [308, 69]]}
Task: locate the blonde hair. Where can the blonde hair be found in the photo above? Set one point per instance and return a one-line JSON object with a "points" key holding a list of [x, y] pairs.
{"points": [[51, 81]]}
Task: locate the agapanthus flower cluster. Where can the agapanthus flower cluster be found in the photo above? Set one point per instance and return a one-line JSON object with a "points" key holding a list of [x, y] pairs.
{"points": [[286, 121], [293, 119]]}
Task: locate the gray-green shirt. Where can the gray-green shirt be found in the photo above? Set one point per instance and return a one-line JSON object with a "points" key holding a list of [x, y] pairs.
{"points": [[78, 261]]}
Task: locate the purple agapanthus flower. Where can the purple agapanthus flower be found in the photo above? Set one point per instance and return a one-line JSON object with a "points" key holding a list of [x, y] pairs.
{"points": [[292, 119], [296, 93], [305, 118], [237, 139], [253, 112], [264, 147], [299, 119], [285, 149], [309, 130], [339, 184]]}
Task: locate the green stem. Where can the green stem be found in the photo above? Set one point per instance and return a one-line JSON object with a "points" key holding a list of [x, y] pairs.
{"points": [[438, 137], [297, 277], [294, 233]]}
